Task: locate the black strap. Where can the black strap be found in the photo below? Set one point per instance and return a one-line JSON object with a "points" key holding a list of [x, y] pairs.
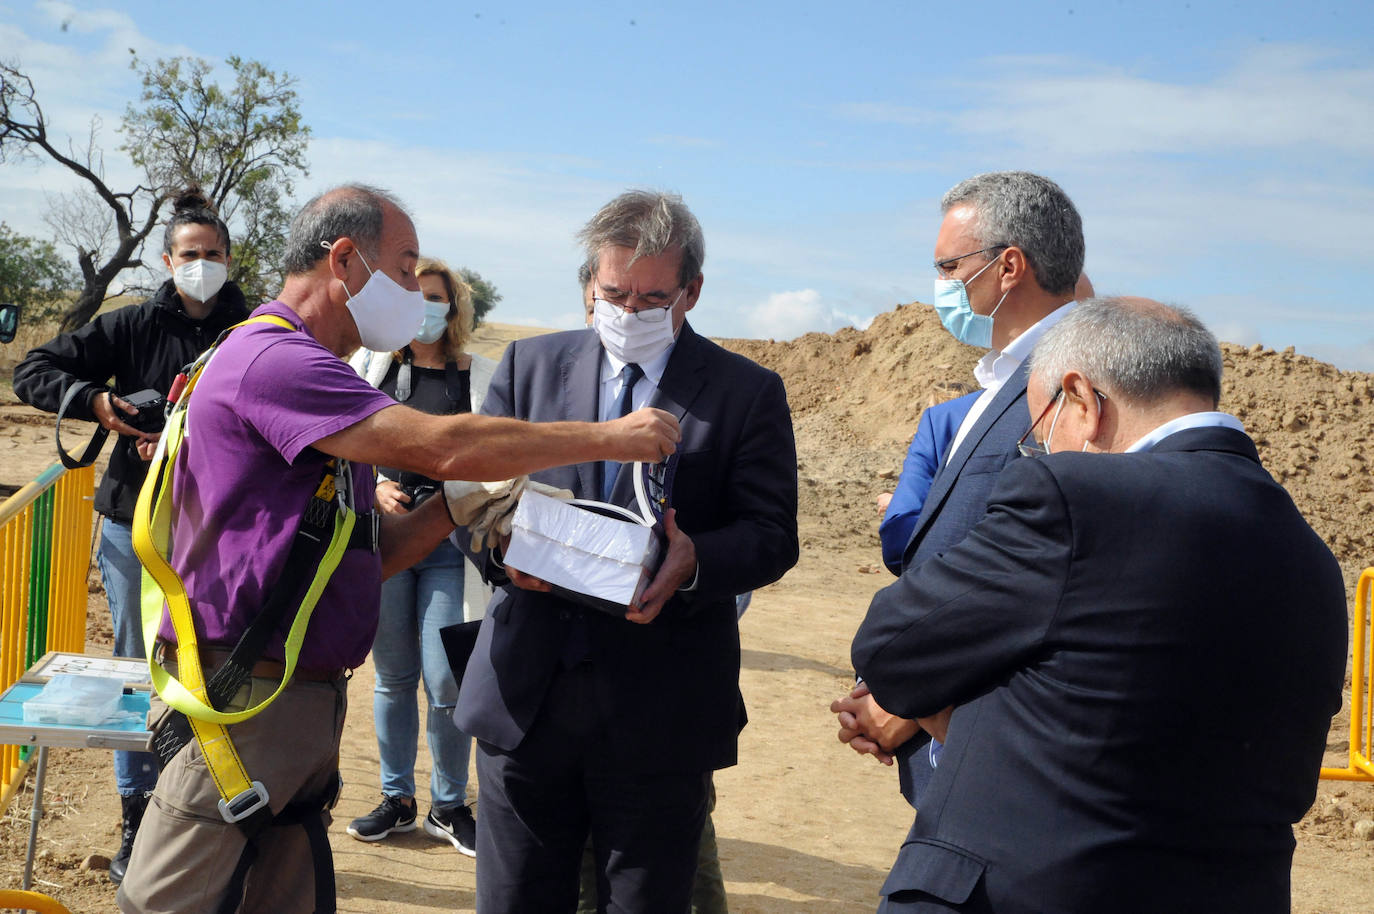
{"points": [[307, 814], [97, 440], [302, 562], [453, 380]]}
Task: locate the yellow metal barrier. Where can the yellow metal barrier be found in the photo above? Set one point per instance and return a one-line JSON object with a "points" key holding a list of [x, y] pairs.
{"points": [[45, 543], [1361, 767]]}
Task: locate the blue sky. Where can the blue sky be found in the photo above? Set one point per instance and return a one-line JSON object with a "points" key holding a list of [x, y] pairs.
{"points": [[1220, 153]]}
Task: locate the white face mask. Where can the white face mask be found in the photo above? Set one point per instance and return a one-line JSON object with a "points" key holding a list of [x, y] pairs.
{"points": [[629, 338], [200, 279], [387, 315], [436, 319]]}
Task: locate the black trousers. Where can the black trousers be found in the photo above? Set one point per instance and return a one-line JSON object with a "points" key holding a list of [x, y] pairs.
{"points": [[538, 803]]}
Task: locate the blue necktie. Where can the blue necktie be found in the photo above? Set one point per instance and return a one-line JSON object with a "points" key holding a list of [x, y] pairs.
{"points": [[629, 376]]}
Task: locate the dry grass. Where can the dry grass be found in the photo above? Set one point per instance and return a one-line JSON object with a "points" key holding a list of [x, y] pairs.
{"points": [[35, 332]]}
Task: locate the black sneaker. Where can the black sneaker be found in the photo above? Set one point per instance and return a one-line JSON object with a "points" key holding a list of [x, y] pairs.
{"points": [[455, 825], [394, 814]]}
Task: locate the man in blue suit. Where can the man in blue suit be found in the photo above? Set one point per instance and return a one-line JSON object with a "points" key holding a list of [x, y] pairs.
{"points": [[593, 723], [929, 447], [1142, 647], [1008, 254]]}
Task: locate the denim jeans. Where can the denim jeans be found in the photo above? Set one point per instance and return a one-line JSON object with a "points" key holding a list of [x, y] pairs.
{"points": [[416, 603], [135, 772]]}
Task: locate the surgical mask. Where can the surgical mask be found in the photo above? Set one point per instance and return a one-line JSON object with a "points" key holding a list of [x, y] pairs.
{"points": [[200, 279], [951, 304], [629, 338], [432, 327], [386, 314]]}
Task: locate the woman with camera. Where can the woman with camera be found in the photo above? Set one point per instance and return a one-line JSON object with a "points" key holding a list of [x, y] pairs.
{"points": [[435, 375], [142, 348]]}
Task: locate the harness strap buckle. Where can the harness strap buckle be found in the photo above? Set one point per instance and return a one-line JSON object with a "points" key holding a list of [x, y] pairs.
{"points": [[238, 808]]}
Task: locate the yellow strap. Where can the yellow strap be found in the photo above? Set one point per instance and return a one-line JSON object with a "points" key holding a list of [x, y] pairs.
{"points": [[162, 586]]}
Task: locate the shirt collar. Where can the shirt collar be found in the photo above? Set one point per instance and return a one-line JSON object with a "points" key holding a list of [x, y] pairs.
{"points": [[995, 367], [1182, 423], [653, 369]]}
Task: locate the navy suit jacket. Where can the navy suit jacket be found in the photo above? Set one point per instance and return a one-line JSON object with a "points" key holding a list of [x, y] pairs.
{"points": [[669, 689], [929, 447], [1144, 651], [957, 500]]}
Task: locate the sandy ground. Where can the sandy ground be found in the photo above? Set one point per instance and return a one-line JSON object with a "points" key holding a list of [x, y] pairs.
{"points": [[804, 824]]}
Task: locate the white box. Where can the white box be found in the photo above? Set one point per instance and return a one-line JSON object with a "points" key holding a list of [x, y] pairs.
{"points": [[74, 700], [588, 556]]}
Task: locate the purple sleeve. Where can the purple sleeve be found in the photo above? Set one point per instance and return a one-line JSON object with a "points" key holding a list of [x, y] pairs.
{"points": [[296, 392]]}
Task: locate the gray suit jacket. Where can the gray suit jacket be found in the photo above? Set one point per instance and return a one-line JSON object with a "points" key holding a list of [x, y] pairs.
{"points": [[669, 689]]}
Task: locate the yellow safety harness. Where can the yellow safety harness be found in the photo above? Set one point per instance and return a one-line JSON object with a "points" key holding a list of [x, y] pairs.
{"points": [[202, 703]]}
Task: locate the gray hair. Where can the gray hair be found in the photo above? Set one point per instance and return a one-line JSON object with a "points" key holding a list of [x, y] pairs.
{"points": [[1023, 210], [1136, 349], [650, 222], [351, 211], [584, 274]]}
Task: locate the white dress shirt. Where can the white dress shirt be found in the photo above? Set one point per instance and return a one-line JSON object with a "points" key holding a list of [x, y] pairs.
{"points": [[608, 394], [1192, 420], [994, 368]]}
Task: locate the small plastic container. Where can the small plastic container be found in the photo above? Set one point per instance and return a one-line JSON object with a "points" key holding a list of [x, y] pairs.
{"points": [[74, 700]]}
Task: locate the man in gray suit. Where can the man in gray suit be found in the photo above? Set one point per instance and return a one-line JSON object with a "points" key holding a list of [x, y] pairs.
{"points": [[588, 722], [1007, 256]]}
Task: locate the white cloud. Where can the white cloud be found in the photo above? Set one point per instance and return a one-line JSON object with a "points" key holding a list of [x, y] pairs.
{"points": [[1351, 357], [1277, 97], [785, 315]]}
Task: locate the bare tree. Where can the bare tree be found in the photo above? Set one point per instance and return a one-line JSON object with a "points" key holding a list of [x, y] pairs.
{"points": [[244, 146], [24, 135]]}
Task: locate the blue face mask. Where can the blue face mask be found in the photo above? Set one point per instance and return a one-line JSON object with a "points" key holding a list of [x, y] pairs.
{"points": [[951, 304]]}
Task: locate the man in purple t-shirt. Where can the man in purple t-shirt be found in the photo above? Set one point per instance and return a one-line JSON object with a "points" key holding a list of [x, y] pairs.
{"points": [[269, 410]]}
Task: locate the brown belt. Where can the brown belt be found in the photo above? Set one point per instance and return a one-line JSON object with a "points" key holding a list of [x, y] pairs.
{"points": [[212, 658]]}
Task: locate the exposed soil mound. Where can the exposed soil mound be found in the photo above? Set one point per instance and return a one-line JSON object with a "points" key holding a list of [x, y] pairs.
{"points": [[803, 824], [856, 397]]}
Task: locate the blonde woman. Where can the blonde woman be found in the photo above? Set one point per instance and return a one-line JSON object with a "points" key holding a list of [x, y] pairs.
{"points": [[433, 374]]}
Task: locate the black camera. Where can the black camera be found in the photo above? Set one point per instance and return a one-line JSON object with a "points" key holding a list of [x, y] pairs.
{"points": [[419, 493], [150, 405]]}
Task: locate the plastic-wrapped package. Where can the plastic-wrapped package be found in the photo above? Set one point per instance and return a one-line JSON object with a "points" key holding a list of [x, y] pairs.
{"points": [[74, 700], [597, 554]]}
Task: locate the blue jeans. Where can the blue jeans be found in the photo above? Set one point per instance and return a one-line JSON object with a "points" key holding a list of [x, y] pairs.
{"points": [[122, 575], [416, 603]]}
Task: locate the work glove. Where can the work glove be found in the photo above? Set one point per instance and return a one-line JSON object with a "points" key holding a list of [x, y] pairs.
{"points": [[487, 508]]}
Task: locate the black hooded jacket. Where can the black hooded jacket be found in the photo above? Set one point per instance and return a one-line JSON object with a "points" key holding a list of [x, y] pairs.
{"points": [[124, 351]]}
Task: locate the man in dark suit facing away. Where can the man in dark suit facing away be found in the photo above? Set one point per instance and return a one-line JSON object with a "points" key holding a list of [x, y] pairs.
{"points": [[1142, 644], [592, 723], [1007, 257]]}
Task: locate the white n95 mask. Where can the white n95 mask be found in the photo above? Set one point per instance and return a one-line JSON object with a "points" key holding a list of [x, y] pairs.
{"points": [[200, 279]]}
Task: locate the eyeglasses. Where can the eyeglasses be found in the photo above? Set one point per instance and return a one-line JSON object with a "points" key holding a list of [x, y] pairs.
{"points": [[655, 313], [948, 266], [1028, 446]]}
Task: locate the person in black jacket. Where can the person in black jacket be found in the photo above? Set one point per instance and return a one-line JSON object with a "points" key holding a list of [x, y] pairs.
{"points": [[120, 352]]}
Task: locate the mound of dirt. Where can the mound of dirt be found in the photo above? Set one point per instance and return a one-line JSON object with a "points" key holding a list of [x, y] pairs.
{"points": [[856, 397], [803, 824]]}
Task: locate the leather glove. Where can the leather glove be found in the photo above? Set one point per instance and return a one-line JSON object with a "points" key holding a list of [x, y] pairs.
{"points": [[487, 508]]}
